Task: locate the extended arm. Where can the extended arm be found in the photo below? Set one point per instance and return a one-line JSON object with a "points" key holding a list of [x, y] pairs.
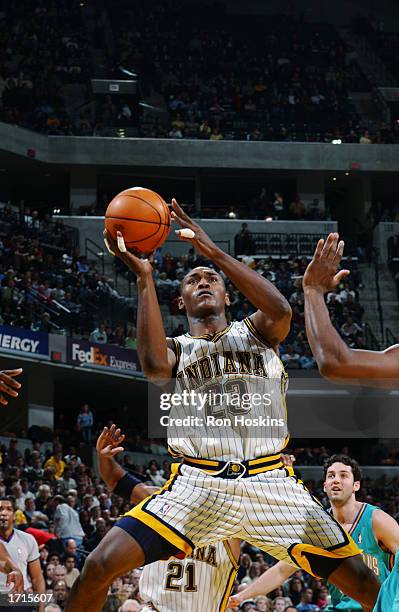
{"points": [[335, 359], [108, 445], [386, 531], [273, 316], [267, 582], [156, 358], [36, 576]]}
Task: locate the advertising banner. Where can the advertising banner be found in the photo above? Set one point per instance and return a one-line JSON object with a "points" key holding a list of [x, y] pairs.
{"points": [[84, 353], [18, 340]]}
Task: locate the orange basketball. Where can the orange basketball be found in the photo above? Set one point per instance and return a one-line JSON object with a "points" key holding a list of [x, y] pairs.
{"points": [[142, 216]]}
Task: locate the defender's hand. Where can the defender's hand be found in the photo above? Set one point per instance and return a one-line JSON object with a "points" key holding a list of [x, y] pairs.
{"points": [[201, 240], [117, 248], [321, 274], [108, 442], [8, 385]]}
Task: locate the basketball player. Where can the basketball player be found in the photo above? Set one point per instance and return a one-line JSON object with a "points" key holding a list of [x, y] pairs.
{"points": [[375, 532], [232, 483], [176, 585], [340, 363]]}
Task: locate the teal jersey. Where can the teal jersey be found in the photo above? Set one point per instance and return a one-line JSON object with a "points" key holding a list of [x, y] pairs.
{"points": [[375, 558], [388, 597]]}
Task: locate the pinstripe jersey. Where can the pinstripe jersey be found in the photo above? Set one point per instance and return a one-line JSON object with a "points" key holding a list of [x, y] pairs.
{"points": [[203, 580], [233, 362]]}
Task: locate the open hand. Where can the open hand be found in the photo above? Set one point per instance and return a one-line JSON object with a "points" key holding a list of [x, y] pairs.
{"points": [[321, 274], [108, 443], [117, 248], [201, 240], [8, 385], [16, 579]]}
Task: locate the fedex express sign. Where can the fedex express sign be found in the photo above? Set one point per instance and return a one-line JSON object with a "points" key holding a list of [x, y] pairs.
{"points": [[86, 354]]}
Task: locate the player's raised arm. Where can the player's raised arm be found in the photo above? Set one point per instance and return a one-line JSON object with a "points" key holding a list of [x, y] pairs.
{"points": [[335, 359], [273, 316], [115, 477], [270, 580], [156, 358]]}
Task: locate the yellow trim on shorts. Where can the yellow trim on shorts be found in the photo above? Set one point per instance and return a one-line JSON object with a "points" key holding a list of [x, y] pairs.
{"points": [[207, 462], [268, 468], [234, 562], [345, 551], [155, 523], [268, 458], [227, 592]]}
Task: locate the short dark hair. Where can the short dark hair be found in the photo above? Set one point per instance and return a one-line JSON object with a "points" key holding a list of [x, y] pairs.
{"points": [[11, 499], [346, 460]]}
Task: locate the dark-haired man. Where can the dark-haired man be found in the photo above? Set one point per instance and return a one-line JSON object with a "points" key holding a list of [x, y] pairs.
{"points": [[374, 531]]}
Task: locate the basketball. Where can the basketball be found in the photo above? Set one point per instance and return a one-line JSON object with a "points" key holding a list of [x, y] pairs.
{"points": [[142, 216]]}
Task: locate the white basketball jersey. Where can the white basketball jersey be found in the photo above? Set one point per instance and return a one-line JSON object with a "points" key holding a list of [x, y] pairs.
{"points": [[233, 363], [202, 581]]}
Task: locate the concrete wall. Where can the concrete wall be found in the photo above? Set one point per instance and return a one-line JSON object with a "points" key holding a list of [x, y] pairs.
{"points": [[136, 152], [221, 230]]}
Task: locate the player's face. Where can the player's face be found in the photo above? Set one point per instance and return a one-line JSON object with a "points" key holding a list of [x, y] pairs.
{"points": [[203, 293], [339, 483], [6, 515]]}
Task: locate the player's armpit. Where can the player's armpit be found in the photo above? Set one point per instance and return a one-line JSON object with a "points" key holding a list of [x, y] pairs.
{"points": [[364, 368], [386, 530]]}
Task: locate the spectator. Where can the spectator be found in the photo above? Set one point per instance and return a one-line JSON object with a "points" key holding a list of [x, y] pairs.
{"points": [[60, 592], [305, 604], [85, 422], [66, 520], [99, 335], [71, 571], [99, 533], [13, 453], [57, 463]]}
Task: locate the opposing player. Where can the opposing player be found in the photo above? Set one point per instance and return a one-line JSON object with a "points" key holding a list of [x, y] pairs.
{"points": [[232, 483], [375, 532], [177, 585], [335, 359], [340, 363]]}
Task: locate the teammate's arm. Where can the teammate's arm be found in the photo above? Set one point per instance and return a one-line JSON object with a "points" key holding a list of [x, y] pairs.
{"points": [[386, 530], [108, 445], [336, 361], [273, 316], [267, 582], [156, 357]]}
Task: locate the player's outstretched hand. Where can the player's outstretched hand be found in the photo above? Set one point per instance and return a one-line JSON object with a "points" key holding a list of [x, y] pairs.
{"points": [[16, 580], [109, 441], [321, 274], [235, 601], [197, 236], [8, 385], [117, 248], [288, 460]]}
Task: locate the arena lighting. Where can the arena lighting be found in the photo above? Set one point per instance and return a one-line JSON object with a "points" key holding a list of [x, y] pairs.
{"points": [[346, 173], [334, 178], [121, 133], [56, 211], [337, 141]]}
